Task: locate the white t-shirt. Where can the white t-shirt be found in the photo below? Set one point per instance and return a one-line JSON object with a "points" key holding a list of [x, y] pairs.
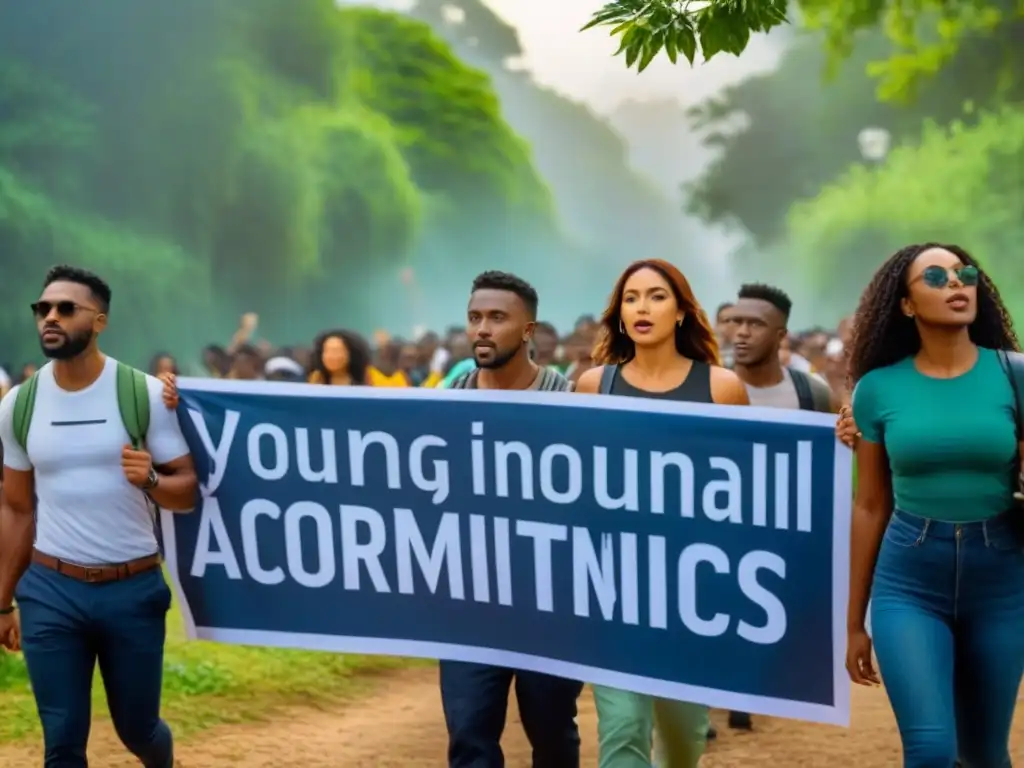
{"points": [[86, 511]]}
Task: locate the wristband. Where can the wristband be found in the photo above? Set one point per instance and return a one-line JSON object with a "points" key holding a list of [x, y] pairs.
{"points": [[7, 611]]}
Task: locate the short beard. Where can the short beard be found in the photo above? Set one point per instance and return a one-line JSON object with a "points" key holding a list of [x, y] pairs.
{"points": [[501, 359], [72, 347]]}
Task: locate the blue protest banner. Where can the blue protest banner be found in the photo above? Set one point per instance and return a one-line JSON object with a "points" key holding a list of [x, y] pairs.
{"points": [[693, 552]]}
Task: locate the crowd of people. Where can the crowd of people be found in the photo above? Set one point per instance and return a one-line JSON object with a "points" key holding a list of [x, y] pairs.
{"points": [[432, 359], [930, 357]]}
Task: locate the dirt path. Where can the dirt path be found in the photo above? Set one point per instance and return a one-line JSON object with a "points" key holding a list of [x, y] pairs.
{"points": [[400, 724]]}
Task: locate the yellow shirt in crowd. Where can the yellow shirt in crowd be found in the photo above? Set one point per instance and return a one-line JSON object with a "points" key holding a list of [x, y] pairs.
{"points": [[378, 379]]}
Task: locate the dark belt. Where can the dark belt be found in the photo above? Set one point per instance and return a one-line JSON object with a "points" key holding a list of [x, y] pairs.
{"points": [[97, 574]]}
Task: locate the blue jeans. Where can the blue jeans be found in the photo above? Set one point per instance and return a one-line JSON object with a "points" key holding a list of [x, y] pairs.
{"points": [[947, 618], [67, 626], [475, 701]]}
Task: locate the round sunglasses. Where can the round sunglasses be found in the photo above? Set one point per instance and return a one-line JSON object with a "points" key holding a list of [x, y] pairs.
{"points": [[938, 277]]}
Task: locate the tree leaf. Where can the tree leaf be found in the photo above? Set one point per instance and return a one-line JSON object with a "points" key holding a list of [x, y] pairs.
{"points": [[650, 50], [686, 41], [636, 45], [627, 38], [671, 50]]}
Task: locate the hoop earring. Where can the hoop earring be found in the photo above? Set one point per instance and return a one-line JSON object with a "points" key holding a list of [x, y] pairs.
{"points": [[622, 328], [680, 322]]}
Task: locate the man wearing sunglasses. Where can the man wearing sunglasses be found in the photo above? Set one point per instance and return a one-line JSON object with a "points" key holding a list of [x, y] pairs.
{"points": [[91, 588]]}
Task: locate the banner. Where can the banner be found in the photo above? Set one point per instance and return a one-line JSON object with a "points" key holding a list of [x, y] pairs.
{"points": [[694, 552]]}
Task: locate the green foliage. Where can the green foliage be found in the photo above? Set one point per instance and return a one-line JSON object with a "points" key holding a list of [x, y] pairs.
{"points": [[926, 35], [261, 152], [47, 232], [811, 126], [961, 184], [12, 671], [645, 28]]}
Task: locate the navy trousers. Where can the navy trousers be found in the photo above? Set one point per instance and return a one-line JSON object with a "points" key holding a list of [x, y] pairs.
{"points": [[67, 627], [475, 700]]}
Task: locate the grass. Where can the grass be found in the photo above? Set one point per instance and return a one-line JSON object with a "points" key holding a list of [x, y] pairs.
{"points": [[208, 684]]}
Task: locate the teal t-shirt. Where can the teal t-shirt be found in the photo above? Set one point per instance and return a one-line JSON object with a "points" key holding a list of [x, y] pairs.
{"points": [[951, 443], [461, 367]]}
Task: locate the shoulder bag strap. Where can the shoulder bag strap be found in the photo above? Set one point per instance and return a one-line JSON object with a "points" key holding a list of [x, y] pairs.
{"points": [[607, 379], [1013, 365]]}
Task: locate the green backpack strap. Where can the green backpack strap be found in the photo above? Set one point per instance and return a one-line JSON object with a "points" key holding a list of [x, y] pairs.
{"points": [[133, 402], [24, 405]]}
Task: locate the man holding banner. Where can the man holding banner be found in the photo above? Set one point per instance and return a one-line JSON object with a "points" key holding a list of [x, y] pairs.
{"points": [[500, 323]]}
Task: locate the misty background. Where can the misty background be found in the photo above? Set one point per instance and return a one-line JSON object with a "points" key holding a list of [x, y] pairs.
{"points": [[336, 164]]}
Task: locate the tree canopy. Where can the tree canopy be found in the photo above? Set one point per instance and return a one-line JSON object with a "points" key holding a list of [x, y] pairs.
{"points": [[212, 157], [927, 34], [961, 184], [812, 125]]}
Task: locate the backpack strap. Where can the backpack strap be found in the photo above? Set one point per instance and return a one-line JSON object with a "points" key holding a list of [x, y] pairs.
{"points": [[802, 385], [24, 405], [607, 379], [133, 402]]}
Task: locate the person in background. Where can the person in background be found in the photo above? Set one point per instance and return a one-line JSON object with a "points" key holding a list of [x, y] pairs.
{"points": [[408, 363], [282, 368], [545, 346], [246, 333], [655, 342], [246, 364], [500, 320], [460, 359], [835, 369], [162, 363], [790, 357], [5, 382], [723, 333], [340, 358], [385, 371], [430, 359], [759, 319], [723, 329], [812, 348], [578, 355], [587, 325], [216, 361], [934, 543]]}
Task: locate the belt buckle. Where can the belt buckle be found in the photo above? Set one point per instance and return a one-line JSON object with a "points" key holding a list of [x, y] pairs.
{"points": [[93, 575]]}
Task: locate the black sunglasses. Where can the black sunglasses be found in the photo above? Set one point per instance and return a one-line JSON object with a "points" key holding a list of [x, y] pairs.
{"points": [[938, 277], [42, 309]]}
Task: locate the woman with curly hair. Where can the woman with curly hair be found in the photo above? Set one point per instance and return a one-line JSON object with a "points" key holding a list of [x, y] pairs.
{"points": [[933, 541], [656, 342], [340, 358]]}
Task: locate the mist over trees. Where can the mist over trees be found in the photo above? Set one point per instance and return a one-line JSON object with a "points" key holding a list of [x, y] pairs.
{"points": [[212, 157]]}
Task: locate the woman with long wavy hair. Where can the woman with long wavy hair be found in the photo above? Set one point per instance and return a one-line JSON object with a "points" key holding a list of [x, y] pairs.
{"points": [[655, 341], [935, 542], [340, 358]]}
